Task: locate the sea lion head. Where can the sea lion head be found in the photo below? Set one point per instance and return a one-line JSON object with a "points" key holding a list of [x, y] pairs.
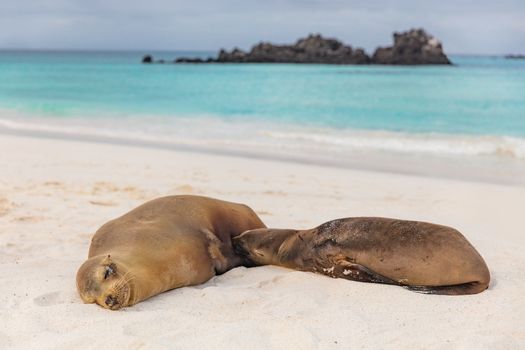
{"points": [[103, 280], [263, 246]]}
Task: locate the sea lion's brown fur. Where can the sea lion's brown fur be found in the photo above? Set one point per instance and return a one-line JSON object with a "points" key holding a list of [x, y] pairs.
{"points": [[420, 256], [166, 243]]}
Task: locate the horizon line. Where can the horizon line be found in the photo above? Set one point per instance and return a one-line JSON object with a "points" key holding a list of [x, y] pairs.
{"points": [[148, 51]]}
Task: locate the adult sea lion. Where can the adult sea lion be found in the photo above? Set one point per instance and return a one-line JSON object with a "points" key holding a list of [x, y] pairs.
{"points": [[166, 243], [419, 256]]}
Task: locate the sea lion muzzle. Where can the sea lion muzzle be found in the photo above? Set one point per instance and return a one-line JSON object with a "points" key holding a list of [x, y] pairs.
{"points": [[111, 301]]}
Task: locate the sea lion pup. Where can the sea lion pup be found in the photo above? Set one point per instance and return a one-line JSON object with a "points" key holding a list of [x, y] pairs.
{"points": [[166, 243], [419, 256]]}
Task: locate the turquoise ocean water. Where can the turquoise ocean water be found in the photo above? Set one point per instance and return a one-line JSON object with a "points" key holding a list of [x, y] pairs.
{"points": [[474, 108]]}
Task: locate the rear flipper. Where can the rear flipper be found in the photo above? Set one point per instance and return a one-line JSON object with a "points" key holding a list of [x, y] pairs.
{"points": [[457, 289]]}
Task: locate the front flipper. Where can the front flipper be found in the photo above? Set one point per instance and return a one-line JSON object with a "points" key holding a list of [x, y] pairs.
{"points": [[355, 272], [222, 256]]}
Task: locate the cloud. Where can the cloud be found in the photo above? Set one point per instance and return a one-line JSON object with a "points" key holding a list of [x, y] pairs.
{"points": [[464, 26]]}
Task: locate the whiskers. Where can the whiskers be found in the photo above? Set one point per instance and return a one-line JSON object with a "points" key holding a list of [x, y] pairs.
{"points": [[126, 278], [119, 285]]}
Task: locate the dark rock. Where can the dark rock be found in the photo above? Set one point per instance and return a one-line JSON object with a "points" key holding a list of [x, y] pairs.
{"points": [[194, 60], [189, 60], [147, 59], [236, 56], [313, 49], [411, 48]]}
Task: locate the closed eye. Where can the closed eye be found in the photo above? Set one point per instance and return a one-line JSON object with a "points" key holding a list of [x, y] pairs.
{"points": [[109, 271]]}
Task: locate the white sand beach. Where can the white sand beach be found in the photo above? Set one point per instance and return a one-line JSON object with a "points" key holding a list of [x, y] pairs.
{"points": [[54, 194]]}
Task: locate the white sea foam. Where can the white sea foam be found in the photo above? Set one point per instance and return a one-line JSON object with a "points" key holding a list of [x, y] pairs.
{"points": [[216, 132], [411, 143]]}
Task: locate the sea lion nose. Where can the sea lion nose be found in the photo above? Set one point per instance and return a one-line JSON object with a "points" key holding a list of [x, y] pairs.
{"points": [[110, 301], [238, 248]]}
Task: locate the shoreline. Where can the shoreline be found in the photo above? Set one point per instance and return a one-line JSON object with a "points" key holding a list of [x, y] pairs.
{"points": [[486, 169]]}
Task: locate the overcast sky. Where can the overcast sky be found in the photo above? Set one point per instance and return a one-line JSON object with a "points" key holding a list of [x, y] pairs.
{"points": [[464, 26]]}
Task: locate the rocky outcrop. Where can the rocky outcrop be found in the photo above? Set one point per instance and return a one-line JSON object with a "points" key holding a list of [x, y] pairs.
{"points": [[312, 49], [149, 59], [411, 48]]}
